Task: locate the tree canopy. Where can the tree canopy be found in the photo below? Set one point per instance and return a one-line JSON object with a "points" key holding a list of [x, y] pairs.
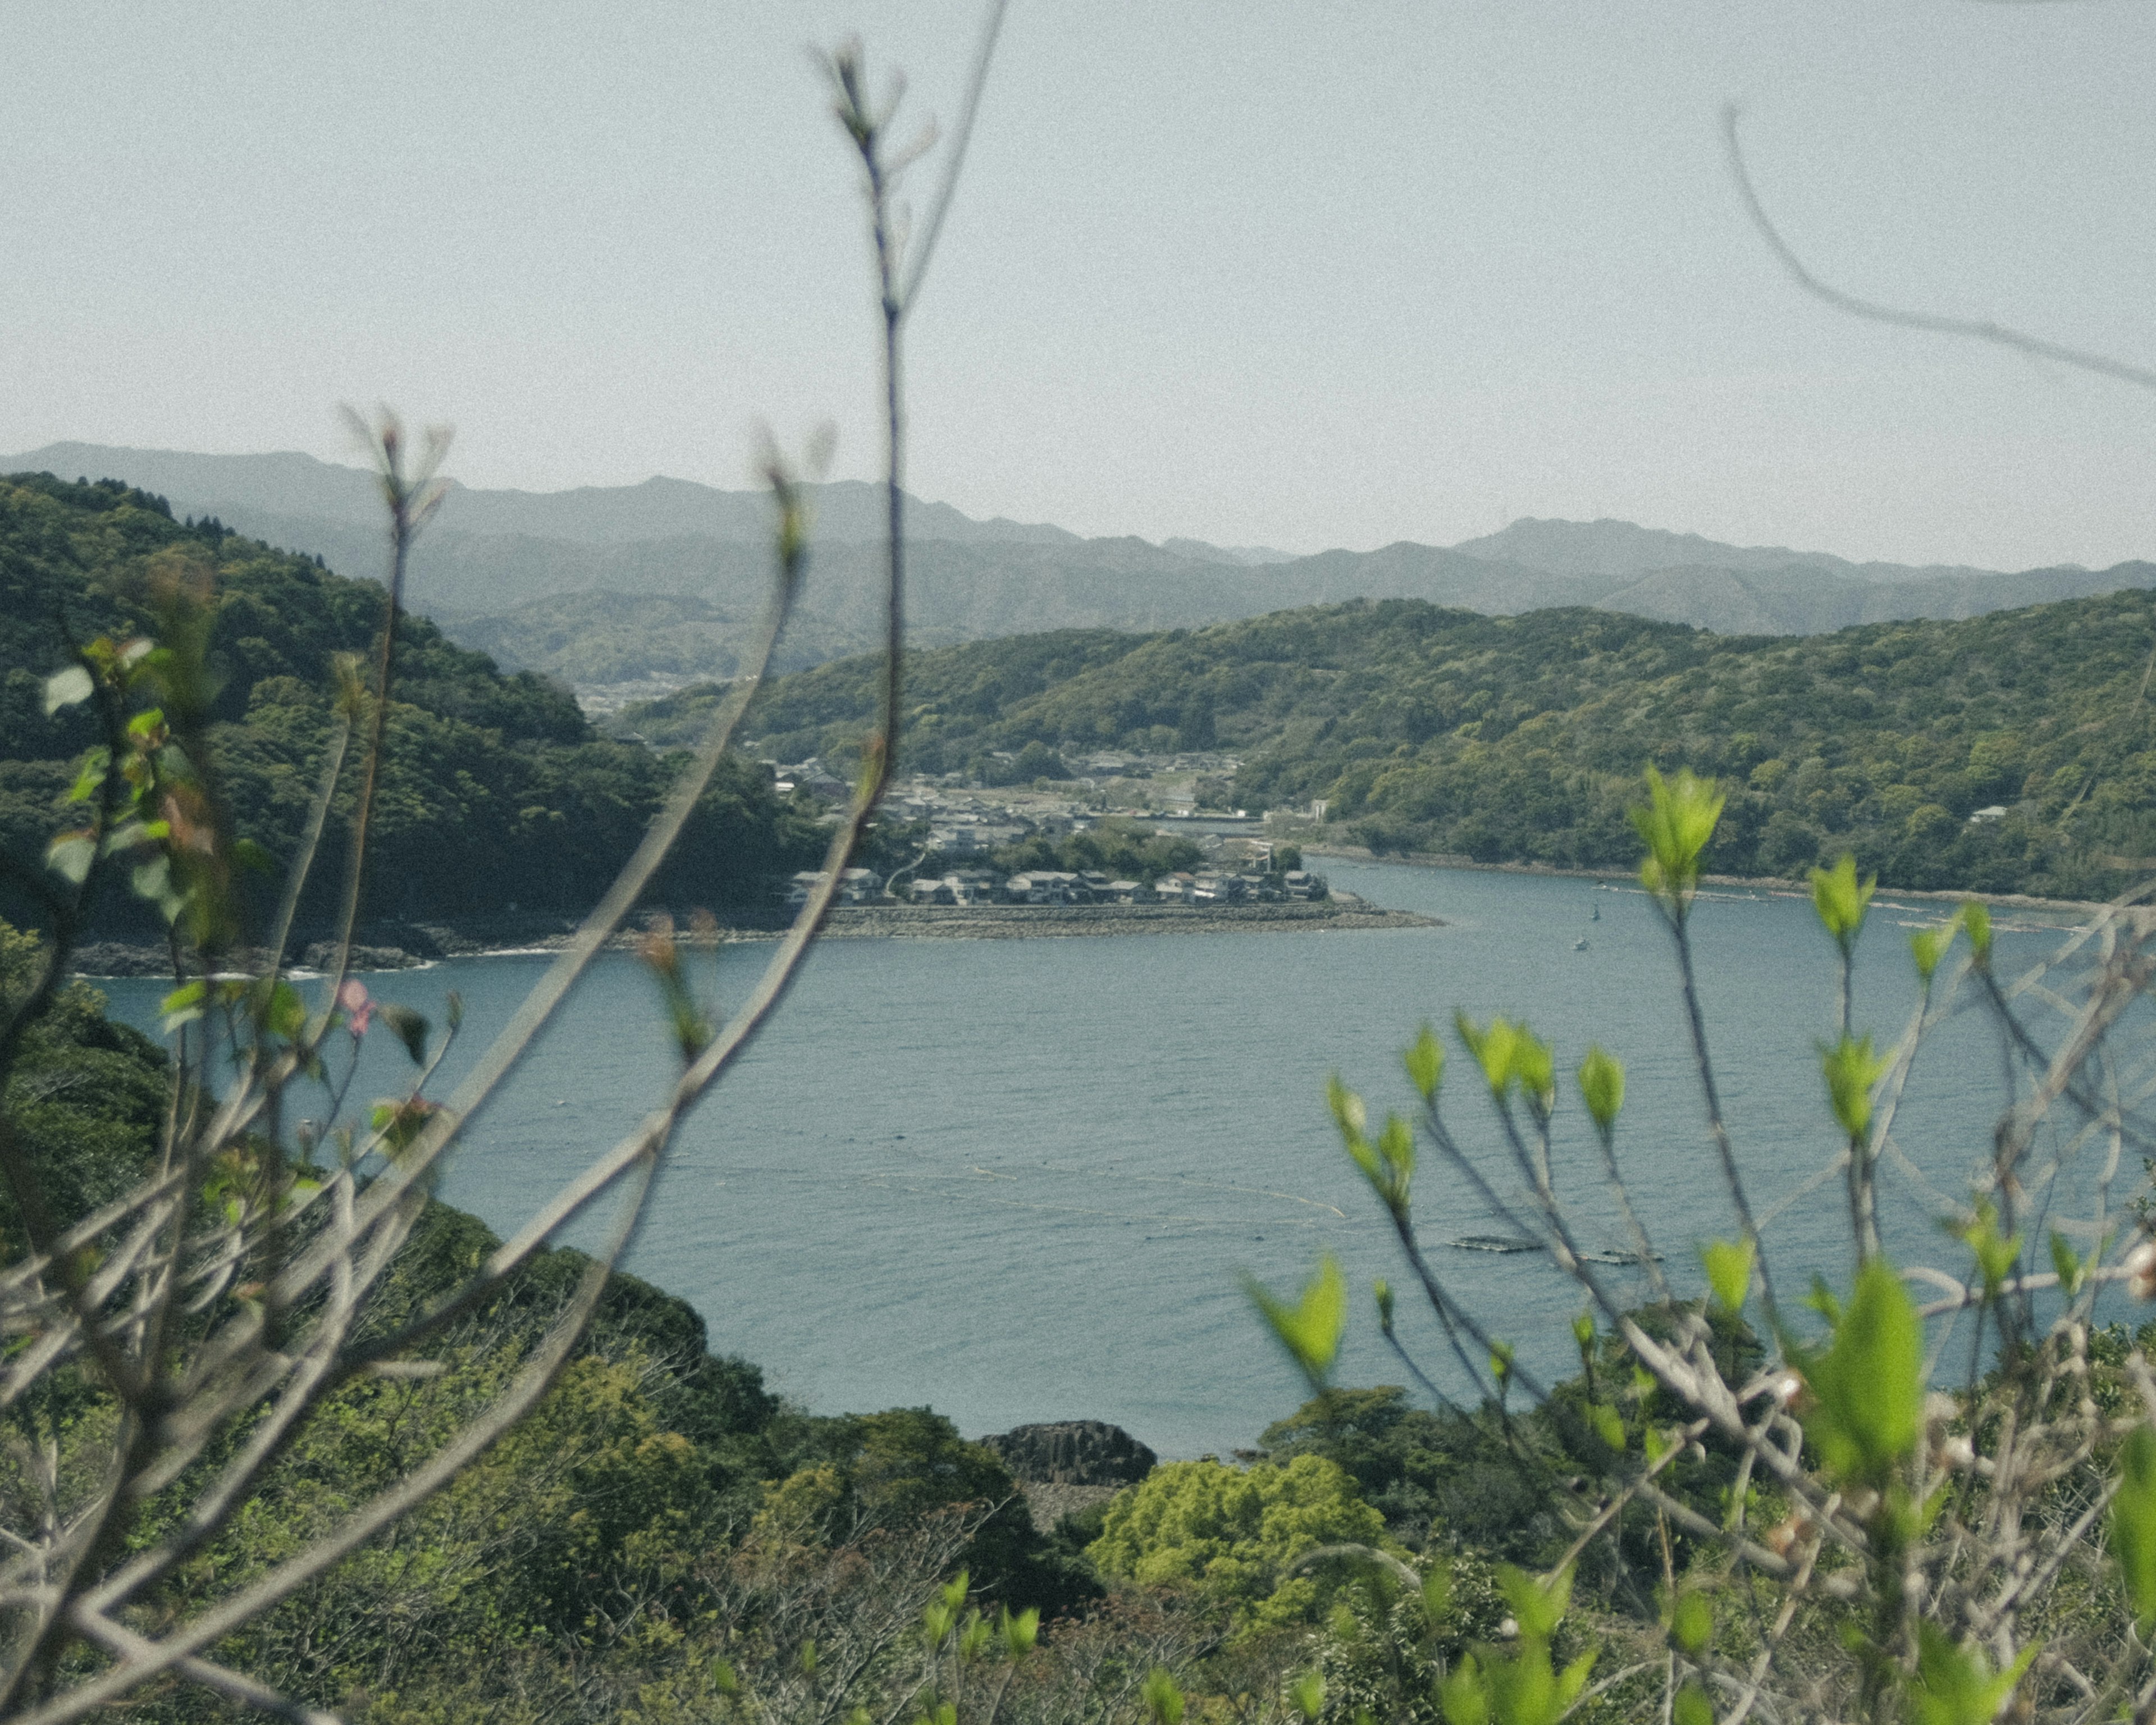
{"points": [[2011, 751], [496, 790]]}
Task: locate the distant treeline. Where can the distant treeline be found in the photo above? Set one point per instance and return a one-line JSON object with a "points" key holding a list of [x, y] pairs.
{"points": [[1520, 739], [496, 792]]}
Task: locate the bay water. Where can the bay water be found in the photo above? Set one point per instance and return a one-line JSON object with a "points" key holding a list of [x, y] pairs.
{"points": [[1020, 1180]]}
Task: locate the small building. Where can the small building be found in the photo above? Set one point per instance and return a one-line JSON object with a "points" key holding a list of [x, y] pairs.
{"points": [[1046, 886], [1302, 884], [856, 886]]}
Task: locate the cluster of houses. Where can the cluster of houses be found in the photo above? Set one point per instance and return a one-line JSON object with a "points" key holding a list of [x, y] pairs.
{"points": [[1054, 887]]}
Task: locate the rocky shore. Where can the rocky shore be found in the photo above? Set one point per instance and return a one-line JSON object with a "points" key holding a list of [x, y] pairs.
{"points": [[402, 946]]}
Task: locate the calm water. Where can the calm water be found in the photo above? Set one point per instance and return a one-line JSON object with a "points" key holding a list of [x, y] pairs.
{"points": [[1019, 1180]]}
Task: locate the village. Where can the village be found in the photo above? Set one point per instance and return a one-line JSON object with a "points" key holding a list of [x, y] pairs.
{"points": [[1255, 884], [961, 826]]}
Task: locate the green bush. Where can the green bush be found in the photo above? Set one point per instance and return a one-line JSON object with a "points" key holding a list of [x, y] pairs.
{"points": [[1232, 1534]]}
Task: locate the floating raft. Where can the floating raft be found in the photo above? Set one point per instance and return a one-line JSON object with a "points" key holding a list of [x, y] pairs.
{"points": [[1492, 1243]]}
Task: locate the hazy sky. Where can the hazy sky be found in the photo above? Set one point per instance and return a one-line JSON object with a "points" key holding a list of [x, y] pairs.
{"points": [[1296, 273]]}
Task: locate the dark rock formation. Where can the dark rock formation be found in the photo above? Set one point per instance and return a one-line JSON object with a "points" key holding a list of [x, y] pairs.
{"points": [[1073, 1452]]}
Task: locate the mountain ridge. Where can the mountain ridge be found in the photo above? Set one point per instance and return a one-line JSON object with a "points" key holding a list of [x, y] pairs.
{"points": [[562, 581]]}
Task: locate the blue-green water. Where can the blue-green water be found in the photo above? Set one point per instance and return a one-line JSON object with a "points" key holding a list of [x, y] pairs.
{"points": [[1019, 1180]]}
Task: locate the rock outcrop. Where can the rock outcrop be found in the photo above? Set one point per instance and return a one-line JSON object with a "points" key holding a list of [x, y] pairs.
{"points": [[1073, 1452]]}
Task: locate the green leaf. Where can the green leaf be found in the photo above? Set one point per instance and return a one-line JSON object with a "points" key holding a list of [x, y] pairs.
{"points": [[2069, 1267], [1425, 1063], [1491, 1048], [1019, 1633], [723, 1678], [1867, 1388], [1310, 1330], [1349, 1113], [1954, 1687], [1691, 1622], [411, 1029], [90, 780], [183, 1005], [1608, 1426], [1691, 1707], [1728, 1263], [1163, 1700], [286, 1015], [1538, 1603], [1307, 1693], [70, 857], [1396, 1144], [1602, 1086], [1995, 1255], [1582, 1334], [1510, 1053], [1851, 1070], [1536, 1068], [253, 857], [1841, 901], [1976, 918], [1464, 1695], [153, 882], [2134, 1521], [65, 688], [1676, 823], [1383, 1290], [1928, 945], [1437, 1591]]}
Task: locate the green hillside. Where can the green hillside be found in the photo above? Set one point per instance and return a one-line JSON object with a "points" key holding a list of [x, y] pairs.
{"points": [[496, 790], [1521, 738]]}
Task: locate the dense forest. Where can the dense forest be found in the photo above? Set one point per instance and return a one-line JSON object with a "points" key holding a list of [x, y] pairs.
{"points": [[497, 794], [1520, 739]]}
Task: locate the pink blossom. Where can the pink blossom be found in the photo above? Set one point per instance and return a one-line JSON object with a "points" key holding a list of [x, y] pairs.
{"points": [[359, 1009]]}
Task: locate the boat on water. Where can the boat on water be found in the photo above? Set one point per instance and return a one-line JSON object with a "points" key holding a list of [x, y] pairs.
{"points": [[1508, 1243]]}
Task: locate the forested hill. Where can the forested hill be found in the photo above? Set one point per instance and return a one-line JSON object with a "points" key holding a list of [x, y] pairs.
{"points": [[1521, 738], [496, 790]]}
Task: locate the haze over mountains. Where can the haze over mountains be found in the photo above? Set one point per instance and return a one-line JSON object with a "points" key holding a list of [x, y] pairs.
{"points": [[608, 585]]}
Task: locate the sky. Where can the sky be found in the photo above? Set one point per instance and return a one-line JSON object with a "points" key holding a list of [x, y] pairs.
{"points": [[1298, 274]]}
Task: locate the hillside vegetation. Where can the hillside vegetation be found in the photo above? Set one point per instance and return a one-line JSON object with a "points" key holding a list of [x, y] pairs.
{"points": [[496, 792], [1520, 739]]}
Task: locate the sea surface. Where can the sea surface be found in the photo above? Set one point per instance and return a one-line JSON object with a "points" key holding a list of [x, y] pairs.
{"points": [[1020, 1180]]}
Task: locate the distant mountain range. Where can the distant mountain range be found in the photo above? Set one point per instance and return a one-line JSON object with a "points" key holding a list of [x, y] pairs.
{"points": [[614, 584]]}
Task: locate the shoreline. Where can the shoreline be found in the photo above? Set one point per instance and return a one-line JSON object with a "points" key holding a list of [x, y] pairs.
{"points": [[406, 948], [1630, 877]]}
